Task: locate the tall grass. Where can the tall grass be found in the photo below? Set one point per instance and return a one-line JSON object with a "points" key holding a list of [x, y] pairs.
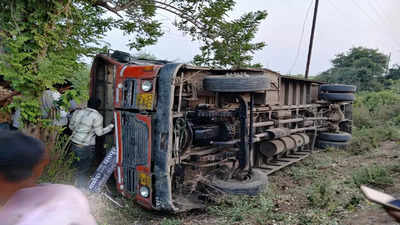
{"points": [[376, 117], [375, 175], [59, 169]]}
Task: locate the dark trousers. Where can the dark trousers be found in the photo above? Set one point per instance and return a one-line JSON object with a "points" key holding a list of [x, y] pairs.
{"points": [[83, 161]]}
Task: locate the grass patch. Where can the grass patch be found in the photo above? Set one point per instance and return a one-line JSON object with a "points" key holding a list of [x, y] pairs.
{"points": [[367, 139], [321, 194], [167, 221], [259, 209], [372, 175]]}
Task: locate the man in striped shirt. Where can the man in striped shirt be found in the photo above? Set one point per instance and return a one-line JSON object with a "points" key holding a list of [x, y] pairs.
{"points": [[85, 125]]}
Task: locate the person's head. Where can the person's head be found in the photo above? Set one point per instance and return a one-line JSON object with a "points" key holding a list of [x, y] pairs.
{"points": [[22, 159], [94, 103]]}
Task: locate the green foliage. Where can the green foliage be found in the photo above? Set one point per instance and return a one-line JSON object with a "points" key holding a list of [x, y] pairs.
{"points": [[394, 73], [59, 169], [80, 84], [225, 42], [42, 42], [232, 45], [372, 175], [236, 209], [320, 195], [166, 221], [376, 119], [359, 66], [367, 139], [374, 101], [145, 55]]}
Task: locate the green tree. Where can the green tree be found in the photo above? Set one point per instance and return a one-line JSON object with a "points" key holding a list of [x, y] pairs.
{"points": [[394, 73], [359, 66], [232, 45], [42, 42]]}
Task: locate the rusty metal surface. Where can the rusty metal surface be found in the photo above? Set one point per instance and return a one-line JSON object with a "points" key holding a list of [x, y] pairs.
{"points": [[271, 148], [278, 132], [289, 143], [299, 140], [278, 164]]}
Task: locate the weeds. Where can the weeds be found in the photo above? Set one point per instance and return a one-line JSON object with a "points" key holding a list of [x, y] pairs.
{"points": [[376, 116], [367, 139], [372, 175], [320, 195], [238, 209], [166, 221], [59, 169]]}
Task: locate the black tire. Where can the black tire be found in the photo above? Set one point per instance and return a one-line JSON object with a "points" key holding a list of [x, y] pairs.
{"points": [[338, 88], [338, 137], [120, 56], [322, 144], [255, 185], [338, 97], [241, 83]]}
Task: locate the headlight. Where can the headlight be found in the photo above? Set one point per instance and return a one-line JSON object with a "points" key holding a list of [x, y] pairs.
{"points": [[147, 85], [144, 191]]}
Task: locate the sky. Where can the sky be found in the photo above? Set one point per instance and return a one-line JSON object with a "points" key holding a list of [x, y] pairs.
{"points": [[341, 24]]}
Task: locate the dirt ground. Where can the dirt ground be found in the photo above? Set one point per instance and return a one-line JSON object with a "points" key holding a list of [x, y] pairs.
{"points": [[322, 189]]}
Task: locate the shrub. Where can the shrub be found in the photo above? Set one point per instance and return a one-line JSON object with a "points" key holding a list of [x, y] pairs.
{"points": [[362, 117], [376, 108], [372, 100]]}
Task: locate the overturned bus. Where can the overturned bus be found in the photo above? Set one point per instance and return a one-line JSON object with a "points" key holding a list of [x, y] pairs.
{"points": [[184, 132]]}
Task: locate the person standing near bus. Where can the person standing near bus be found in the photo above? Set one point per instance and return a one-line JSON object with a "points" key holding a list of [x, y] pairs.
{"points": [[85, 124]]}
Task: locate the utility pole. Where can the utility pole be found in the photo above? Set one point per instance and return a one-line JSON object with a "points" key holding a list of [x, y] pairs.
{"points": [[311, 38], [387, 66]]}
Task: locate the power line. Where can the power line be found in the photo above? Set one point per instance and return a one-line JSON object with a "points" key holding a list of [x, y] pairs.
{"points": [[366, 14], [376, 10], [345, 14], [380, 15], [301, 38]]}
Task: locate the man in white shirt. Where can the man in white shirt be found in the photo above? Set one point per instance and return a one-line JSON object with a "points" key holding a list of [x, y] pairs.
{"points": [[85, 125]]}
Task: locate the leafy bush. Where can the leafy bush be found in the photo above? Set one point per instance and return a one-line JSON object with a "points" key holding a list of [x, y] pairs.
{"points": [[376, 117], [373, 175], [376, 108]]}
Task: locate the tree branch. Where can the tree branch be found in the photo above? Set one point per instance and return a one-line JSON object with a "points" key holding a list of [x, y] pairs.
{"points": [[105, 5], [164, 6], [182, 14]]}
